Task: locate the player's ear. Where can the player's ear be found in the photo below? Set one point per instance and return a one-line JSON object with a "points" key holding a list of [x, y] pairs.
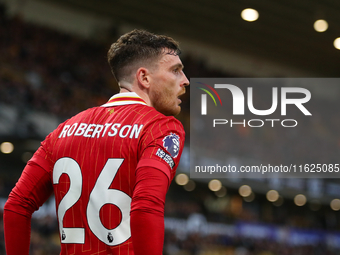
{"points": [[143, 77]]}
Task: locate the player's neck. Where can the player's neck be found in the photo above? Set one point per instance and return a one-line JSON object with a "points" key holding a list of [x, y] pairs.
{"points": [[124, 90], [139, 93]]}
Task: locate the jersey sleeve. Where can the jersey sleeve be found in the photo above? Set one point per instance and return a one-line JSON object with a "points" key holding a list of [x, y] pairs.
{"points": [[160, 148], [161, 145], [147, 211]]}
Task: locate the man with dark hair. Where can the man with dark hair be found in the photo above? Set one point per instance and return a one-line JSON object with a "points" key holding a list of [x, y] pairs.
{"points": [[110, 166]]}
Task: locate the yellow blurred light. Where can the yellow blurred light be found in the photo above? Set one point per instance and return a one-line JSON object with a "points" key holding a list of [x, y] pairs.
{"points": [[6, 147], [190, 186], [182, 179], [320, 25], [244, 191], [249, 14], [300, 200], [221, 192], [215, 185], [336, 43], [335, 204], [272, 195]]}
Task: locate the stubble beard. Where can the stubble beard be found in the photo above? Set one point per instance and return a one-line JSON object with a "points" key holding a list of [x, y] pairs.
{"points": [[164, 103]]}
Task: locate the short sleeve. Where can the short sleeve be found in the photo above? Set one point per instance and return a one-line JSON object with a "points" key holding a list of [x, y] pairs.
{"points": [[161, 145]]}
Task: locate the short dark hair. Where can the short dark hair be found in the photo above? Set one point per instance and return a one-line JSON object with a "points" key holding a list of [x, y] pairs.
{"points": [[138, 45]]}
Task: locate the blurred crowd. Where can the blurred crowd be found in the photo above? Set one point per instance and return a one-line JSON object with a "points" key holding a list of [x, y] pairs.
{"points": [[45, 241], [195, 244], [230, 207], [45, 70], [206, 207]]}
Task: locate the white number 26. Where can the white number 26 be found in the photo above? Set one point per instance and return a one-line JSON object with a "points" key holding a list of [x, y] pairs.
{"points": [[101, 194]]}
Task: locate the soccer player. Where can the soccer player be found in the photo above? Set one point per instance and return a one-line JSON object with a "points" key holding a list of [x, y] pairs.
{"points": [[110, 166]]}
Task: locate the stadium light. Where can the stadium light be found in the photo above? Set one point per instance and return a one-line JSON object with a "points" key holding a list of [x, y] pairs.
{"points": [[6, 147], [272, 195], [249, 14], [335, 204], [320, 25], [182, 179], [215, 185], [300, 200], [245, 191], [336, 43]]}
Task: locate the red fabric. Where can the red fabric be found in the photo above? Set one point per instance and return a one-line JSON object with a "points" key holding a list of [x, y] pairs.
{"points": [[147, 211], [84, 145], [17, 227], [157, 165]]}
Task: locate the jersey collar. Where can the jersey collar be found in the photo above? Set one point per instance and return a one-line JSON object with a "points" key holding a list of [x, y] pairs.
{"points": [[124, 99]]}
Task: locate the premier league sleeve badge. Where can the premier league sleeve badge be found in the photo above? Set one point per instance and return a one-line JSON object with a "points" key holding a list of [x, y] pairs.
{"points": [[171, 144]]}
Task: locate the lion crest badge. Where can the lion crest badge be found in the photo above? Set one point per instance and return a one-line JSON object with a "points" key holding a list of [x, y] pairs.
{"points": [[171, 144]]}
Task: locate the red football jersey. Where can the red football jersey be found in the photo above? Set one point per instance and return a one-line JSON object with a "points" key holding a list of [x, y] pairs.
{"points": [[92, 159]]}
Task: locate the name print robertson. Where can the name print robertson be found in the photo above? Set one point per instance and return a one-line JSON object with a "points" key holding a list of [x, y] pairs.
{"points": [[97, 130]]}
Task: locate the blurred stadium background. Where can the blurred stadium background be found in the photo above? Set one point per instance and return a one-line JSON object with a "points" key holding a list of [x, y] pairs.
{"points": [[53, 65]]}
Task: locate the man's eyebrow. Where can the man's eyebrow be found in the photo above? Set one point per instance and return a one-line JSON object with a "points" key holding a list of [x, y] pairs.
{"points": [[178, 65]]}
